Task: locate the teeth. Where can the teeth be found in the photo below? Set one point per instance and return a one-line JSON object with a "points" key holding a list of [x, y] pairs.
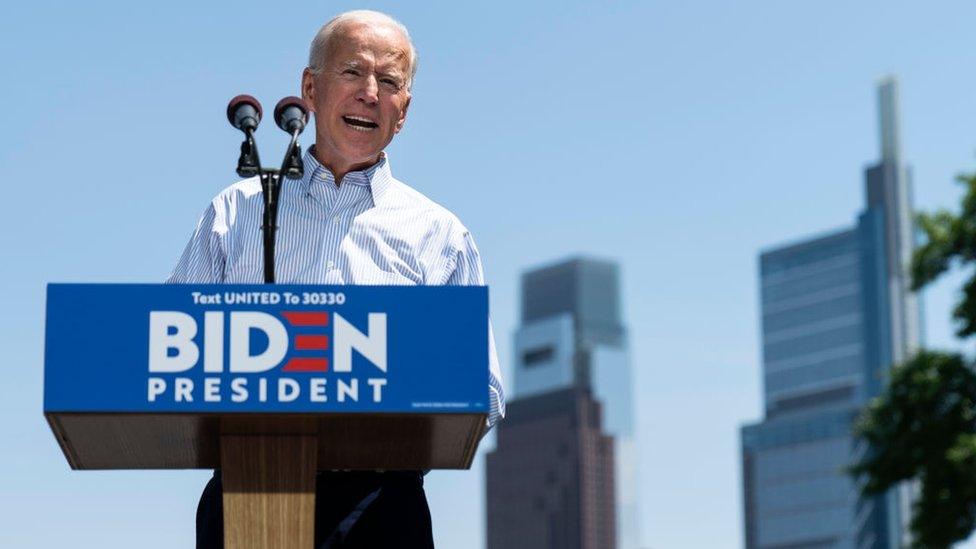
{"points": [[359, 123]]}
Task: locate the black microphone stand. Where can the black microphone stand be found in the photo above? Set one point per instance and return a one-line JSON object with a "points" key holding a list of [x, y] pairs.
{"points": [[249, 165]]}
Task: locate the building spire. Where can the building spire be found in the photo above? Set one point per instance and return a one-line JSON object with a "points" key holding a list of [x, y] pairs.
{"points": [[890, 123]]}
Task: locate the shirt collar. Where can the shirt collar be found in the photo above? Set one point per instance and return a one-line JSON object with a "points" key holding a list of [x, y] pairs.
{"points": [[376, 177]]}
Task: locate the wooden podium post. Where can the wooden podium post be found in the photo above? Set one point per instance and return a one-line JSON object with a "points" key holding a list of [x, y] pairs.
{"points": [[269, 490]]}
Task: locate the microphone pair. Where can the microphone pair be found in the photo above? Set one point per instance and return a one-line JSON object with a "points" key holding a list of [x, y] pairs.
{"points": [[290, 114]]}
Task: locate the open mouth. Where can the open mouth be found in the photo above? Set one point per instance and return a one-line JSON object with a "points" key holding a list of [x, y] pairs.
{"points": [[360, 123]]}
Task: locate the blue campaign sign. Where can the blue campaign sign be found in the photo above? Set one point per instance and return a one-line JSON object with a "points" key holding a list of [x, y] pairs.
{"points": [[266, 348]]}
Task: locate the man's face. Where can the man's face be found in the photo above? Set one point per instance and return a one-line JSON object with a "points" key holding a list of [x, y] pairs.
{"points": [[360, 94]]}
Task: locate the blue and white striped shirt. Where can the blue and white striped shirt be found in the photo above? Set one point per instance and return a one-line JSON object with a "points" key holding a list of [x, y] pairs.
{"points": [[371, 230]]}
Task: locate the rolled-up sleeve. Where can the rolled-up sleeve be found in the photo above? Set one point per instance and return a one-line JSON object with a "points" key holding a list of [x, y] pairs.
{"points": [[469, 272], [203, 258]]}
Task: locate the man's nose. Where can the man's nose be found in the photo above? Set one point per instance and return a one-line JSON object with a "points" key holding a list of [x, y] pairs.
{"points": [[369, 91]]}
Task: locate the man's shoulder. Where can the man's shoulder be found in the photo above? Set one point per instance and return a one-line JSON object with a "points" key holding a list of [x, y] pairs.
{"points": [[235, 199], [241, 191], [406, 197]]}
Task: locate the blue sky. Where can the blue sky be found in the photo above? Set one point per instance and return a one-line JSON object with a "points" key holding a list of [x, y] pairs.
{"points": [[678, 138]]}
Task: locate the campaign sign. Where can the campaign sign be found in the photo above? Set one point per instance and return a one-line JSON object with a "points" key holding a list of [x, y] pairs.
{"points": [[266, 348]]}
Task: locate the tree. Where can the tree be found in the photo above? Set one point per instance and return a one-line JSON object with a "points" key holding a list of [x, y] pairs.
{"points": [[923, 426]]}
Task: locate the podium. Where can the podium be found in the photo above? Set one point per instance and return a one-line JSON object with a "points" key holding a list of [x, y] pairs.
{"points": [[268, 383]]}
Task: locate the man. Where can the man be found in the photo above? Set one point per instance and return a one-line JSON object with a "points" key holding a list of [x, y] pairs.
{"points": [[348, 221]]}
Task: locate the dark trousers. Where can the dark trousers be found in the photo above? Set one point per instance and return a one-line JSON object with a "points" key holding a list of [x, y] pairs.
{"points": [[353, 510]]}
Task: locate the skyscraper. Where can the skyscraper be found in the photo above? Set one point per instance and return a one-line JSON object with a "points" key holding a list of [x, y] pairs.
{"points": [[550, 479], [572, 342], [837, 313]]}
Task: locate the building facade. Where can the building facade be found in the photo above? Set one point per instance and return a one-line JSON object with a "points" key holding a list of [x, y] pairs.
{"points": [[837, 313], [551, 476], [572, 338]]}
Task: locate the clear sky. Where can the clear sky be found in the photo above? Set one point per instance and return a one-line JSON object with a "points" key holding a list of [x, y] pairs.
{"points": [[678, 138]]}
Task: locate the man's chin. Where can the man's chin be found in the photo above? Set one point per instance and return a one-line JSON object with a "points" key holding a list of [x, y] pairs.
{"points": [[350, 151], [361, 158], [364, 152]]}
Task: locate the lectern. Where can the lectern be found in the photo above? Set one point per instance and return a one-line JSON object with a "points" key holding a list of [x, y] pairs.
{"points": [[267, 383]]}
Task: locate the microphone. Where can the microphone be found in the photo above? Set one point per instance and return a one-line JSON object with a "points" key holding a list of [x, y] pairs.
{"points": [[291, 114], [244, 113]]}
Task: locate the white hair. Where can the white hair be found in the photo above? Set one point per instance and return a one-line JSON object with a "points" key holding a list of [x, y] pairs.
{"points": [[319, 50]]}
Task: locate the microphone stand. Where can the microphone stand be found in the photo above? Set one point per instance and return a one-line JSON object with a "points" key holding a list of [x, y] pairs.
{"points": [[249, 165], [292, 167], [270, 190]]}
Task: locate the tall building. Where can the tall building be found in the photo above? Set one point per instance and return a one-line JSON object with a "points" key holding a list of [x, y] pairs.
{"points": [[571, 342], [837, 312], [550, 479]]}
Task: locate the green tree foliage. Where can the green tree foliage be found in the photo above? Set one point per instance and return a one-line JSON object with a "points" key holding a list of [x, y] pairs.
{"points": [[923, 426]]}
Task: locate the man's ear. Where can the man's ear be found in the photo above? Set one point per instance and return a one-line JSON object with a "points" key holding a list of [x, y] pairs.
{"points": [[403, 115], [308, 88]]}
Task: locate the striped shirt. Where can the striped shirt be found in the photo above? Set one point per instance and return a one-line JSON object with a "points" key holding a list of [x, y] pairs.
{"points": [[370, 230]]}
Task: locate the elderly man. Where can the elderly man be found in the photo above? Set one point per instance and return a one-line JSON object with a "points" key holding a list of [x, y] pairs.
{"points": [[348, 221]]}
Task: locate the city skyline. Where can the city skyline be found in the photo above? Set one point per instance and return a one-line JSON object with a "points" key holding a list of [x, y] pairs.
{"points": [[677, 139]]}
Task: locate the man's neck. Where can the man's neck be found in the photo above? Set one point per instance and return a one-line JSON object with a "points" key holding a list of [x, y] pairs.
{"points": [[338, 168]]}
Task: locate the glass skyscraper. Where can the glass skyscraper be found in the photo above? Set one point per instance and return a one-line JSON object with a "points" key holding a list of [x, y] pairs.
{"points": [[836, 314]]}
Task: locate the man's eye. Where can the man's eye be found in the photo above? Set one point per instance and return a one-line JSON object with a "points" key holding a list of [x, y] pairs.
{"points": [[351, 72], [391, 83]]}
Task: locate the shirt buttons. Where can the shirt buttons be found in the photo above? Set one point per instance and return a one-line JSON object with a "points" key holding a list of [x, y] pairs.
{"points": [[330, 264], [336, 220]]}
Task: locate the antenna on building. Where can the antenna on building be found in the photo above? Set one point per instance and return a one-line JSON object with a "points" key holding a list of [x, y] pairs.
{"points": [[889, 119]]}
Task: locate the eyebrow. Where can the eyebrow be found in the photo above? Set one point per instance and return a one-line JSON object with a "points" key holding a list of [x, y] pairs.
{"points": [[393, 72]]}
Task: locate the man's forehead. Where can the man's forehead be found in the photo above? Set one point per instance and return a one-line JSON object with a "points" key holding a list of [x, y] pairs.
{"points": [[367, 55], [368, 40]]}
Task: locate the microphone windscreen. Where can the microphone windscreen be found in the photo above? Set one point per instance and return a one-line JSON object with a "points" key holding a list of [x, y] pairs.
{"points": [[284, 105], [237, 102]]}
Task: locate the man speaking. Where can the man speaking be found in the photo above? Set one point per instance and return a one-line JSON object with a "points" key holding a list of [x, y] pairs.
{"points": [[347, 221]]}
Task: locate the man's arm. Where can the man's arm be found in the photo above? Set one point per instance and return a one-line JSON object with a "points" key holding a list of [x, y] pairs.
{"points": [[203, 258], [468, 272]]}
